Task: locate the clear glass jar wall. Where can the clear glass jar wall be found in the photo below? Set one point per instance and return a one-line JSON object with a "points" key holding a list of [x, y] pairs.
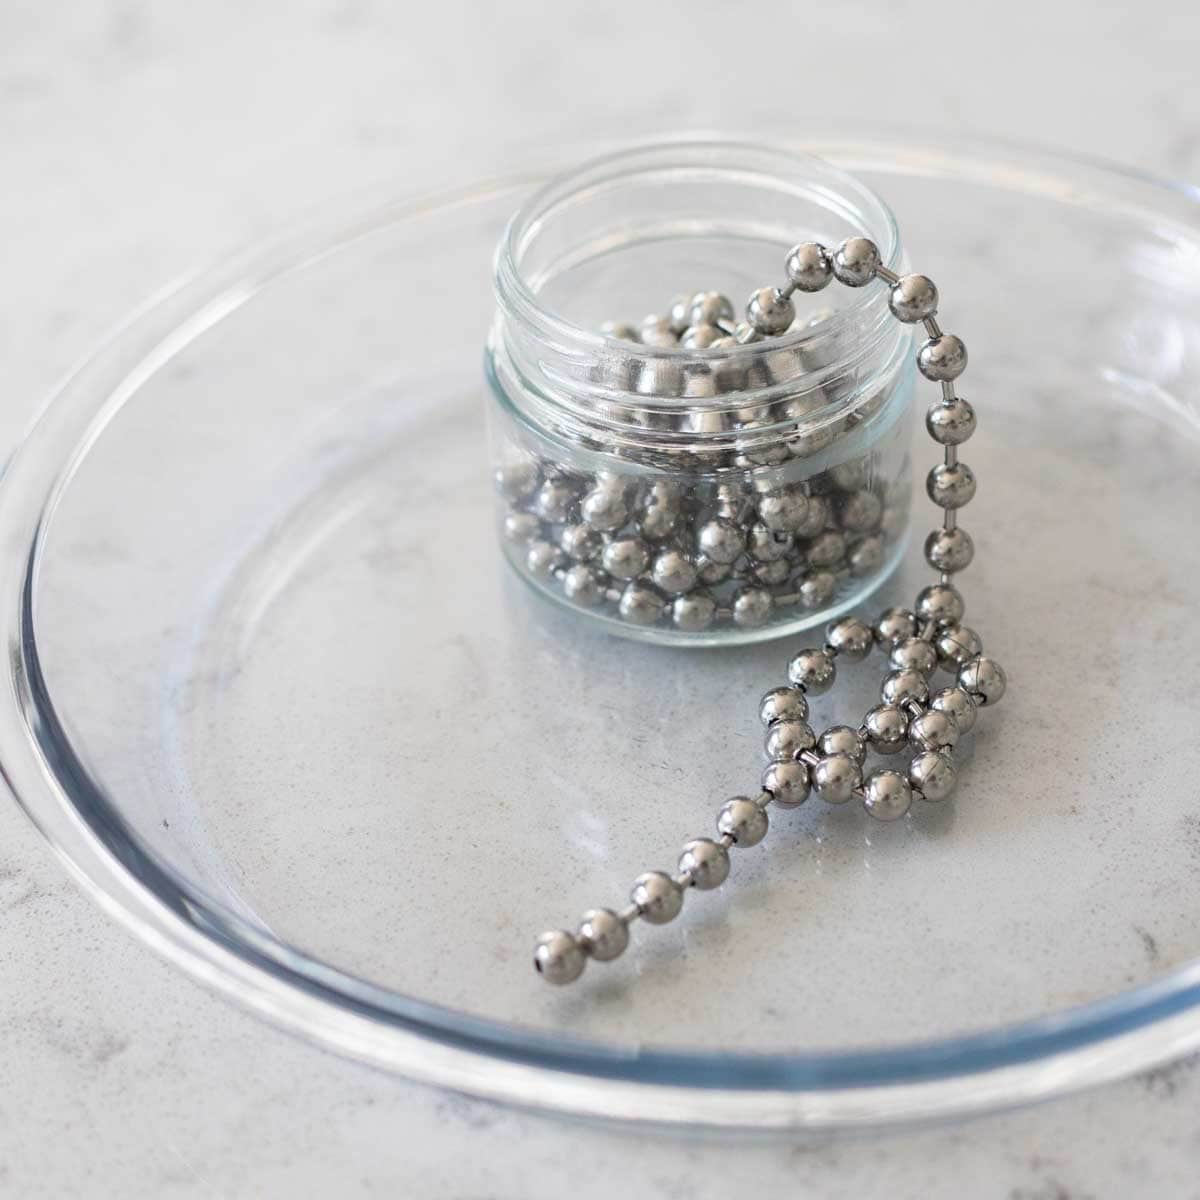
{"points": [[652, 471]]}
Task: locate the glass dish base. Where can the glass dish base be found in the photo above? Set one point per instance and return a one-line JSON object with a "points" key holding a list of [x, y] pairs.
{"points": [[278, 701]]}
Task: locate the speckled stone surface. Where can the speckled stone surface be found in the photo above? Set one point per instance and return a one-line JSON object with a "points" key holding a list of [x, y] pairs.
{"points": [[140, 141]]}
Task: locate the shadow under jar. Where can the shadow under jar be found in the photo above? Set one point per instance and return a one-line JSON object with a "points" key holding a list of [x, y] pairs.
{"points": [[661, 466]]}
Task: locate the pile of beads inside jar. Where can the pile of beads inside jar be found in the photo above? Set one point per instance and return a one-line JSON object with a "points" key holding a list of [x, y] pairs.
{"points": [[694, 553], [912, 715]]}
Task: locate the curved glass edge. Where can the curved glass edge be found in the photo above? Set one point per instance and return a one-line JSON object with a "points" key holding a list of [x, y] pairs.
{"points": [[1030, 1060], [616, 162]]}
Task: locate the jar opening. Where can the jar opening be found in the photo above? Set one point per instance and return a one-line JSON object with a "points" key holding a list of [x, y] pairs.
{"points": [[622, 235], [639, 195]]}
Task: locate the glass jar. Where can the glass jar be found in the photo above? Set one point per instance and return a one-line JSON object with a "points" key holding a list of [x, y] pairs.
{"points": [[693, 489]]}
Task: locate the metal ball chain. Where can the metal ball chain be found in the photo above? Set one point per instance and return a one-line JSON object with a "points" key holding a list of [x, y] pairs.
{"points": [[912, 716]]}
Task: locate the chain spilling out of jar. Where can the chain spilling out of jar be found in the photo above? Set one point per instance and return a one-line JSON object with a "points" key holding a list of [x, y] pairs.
{"points": [[733, 539], [912, 714]]}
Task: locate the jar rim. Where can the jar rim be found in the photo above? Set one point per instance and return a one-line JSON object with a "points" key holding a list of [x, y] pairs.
{"points": [[515, 290]]}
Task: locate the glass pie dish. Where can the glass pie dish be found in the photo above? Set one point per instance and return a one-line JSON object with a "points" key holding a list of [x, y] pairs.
{"points": [[277, 700]]}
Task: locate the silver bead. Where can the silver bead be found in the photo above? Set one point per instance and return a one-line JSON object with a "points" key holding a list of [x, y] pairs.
{"points": [[730, 374], [852, 475], [742, 821], [951, 487], [620, 373], [787, 782], [711, 572], [860, 512], [657, 897], [772, 574], [783, 364], [836, 777], [658, 521], [542, 559], [855, 261], [850, 638], [815, 519], [933, 731], [558, 957], [705, 862], [913, 298], [886, 795], [679, 314], [603, 934], [518, 479], [783, 704], [933, 775], [949, 550], [751, 607], [983, 679], [886, 728], [709, 308], [956, 644], [770, 312], [894, 625], [786, 739], [902, 686], [656, 331], [841, 739], [866, 556], [942, 358], [940, 603], [522, 527], [745, 334], [580, 542], [816, 589], [826, 549], [803, 444], [956, 703], [674, 572], [700, 337], [701, 385], [913, 654], [731, 500], [640, 605], [554, 501], [609, 478], [721, 541], [693, 612], [765, 545], [895, 516], [604, 507], [813, 670], [583, 585], [951, 422], [783, 511], [661, 377], [625, 558], [808, 266], [665, 492]]}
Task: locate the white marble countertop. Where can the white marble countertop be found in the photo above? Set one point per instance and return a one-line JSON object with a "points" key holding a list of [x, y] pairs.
{"points": [[143, 140]]}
